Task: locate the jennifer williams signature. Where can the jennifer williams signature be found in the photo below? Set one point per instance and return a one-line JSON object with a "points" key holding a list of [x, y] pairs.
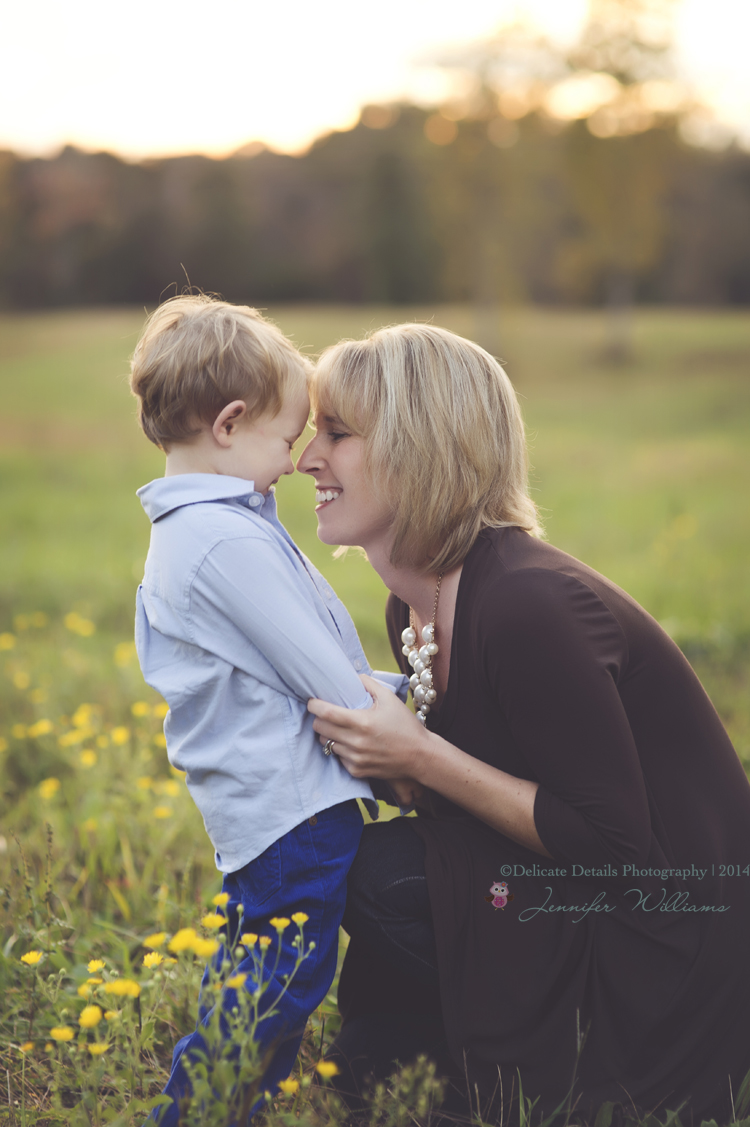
{"points": [[645, 901]]}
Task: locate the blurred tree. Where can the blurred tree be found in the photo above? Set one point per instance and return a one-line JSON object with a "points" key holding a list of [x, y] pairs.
{"points": [[618, 164], [618, 79]]}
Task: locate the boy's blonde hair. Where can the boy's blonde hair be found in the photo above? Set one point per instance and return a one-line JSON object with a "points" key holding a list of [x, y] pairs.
{"points": [[444, 437], [196, 354]]}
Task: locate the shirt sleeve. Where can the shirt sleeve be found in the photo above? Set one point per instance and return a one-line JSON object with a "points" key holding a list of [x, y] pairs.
{"points": [[247, 590], [398, 683], [554, 653]]}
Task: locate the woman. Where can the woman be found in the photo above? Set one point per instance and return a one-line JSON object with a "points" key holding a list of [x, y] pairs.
{"points": [[564, 889]]}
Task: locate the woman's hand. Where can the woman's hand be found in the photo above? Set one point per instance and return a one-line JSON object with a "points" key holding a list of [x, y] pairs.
{"points": [[388, 742], [382, 742]]}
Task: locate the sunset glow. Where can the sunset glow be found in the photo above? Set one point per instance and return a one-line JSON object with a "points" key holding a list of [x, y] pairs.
{"points": [[151, 78]]}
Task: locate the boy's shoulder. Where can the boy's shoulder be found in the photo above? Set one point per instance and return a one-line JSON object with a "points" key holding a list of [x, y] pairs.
{"points": [[195, 512]]}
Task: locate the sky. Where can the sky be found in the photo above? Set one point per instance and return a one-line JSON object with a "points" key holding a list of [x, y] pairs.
{"points": [[155, 77]]}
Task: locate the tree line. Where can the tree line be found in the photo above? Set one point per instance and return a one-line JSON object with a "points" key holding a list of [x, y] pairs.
{"points": [[385, 214]]}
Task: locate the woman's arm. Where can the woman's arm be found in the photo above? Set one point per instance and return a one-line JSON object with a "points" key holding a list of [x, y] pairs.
{"points": [[388, 742]]}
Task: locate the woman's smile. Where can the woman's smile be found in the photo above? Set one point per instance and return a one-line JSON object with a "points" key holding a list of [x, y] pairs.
{"points": [[324, 496], [350, 510]]}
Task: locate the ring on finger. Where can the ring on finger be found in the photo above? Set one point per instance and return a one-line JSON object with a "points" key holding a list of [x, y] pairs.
{"points": [[328, 747]]}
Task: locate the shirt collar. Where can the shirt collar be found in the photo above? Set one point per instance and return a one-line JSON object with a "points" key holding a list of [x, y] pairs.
{"points": [[165, 494]]}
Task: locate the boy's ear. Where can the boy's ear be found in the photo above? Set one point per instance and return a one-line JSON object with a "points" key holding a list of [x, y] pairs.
{"points": [[225, 425]]}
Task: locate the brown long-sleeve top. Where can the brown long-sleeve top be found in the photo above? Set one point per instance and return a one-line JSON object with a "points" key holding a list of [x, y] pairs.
{"points": [[635, 933]]}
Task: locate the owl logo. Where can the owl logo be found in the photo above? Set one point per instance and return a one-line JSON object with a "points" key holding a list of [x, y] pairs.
{"points": [[499, 894]]}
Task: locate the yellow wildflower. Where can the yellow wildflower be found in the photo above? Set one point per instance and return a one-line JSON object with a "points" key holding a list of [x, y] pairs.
{"points": [[95, 965], [102, 741], [95, 981], [75, 736], [213, 919], [89, 825], [122, 987], [221, 899], [155, 940], [205, 948], [41, 728], [326, 1069], [81, 718], [265, 940], [170, 787], [62, 1033], [162, 812], [120, 736], [88, 758], [3, 744], [97, 1049], [48, 1047], [84, 627], [48, 788], [160, 710], [21, 680], [7, 641], [84, 990], [279, 922], [143, 782], [124, 653], [90, 1017], [38, 696], [26, 1047], [182, 940], [140, 708], [160, 739], [300, 918], [18, 731], [248, 939], [111, 1015], [31, 958], [152, 959], [289, 1087], [236, 981]]}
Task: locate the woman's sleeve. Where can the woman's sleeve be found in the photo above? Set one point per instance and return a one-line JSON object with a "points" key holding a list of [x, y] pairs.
{"points": [[554, 653]]}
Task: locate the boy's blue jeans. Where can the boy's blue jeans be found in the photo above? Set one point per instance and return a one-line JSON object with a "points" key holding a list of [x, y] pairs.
{"points": [[304, 871]]}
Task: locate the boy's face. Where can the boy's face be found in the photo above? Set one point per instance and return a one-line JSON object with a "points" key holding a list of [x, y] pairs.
{"points": [[262, 450]]}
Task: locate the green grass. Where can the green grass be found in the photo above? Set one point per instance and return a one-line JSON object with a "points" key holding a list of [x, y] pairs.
{"points": [[640, 470]]}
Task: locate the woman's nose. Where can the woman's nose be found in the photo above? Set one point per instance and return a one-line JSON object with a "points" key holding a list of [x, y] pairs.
{"points": [[309, 460]]}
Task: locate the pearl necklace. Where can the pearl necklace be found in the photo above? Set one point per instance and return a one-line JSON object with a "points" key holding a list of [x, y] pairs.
{"points": [[420, 659]]}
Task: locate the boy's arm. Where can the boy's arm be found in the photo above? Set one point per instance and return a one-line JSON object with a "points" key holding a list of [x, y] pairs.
{"points": [[247, 588]]}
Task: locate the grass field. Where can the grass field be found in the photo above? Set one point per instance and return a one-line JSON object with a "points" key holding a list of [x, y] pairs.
{"points": [[642, 471]]}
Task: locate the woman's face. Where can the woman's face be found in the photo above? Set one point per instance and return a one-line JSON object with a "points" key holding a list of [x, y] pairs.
{"points": [[351, 509]]}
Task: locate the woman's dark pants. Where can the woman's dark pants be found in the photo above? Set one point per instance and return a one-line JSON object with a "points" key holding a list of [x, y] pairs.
{"points": [[389, 994]]}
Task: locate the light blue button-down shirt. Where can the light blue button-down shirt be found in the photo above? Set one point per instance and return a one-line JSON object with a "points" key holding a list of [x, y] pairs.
{"points": [[237, 630]]}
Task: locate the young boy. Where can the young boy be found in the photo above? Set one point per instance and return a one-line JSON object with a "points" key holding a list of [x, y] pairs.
{"points": [[237, 630]]}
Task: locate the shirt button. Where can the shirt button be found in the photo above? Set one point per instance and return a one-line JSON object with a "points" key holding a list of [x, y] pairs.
{"points": [[254, 501], [314, 820], [328, 592], [357, 664]]}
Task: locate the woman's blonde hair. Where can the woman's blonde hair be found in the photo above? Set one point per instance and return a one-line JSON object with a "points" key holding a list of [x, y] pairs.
{"points": [[443, 437], [196, 355]]}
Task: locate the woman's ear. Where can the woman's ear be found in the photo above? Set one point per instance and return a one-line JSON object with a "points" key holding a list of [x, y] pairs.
{"points": [[225, 425]]}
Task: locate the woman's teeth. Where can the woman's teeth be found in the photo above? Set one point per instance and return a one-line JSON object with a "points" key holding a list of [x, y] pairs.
{"points": [[327, 495]]}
